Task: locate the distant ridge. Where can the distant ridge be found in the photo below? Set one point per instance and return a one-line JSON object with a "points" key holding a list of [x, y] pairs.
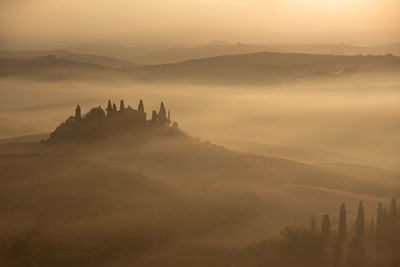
{"points": [[254, 68], [51, 67], [265, 67], [104, 61]]}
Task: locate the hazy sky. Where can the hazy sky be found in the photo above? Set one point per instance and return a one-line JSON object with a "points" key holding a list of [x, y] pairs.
{"points": [[262, 21]]}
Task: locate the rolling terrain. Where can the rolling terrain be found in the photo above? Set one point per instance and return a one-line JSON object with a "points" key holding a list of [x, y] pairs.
{"points": [[50, 67], [70, 56], [266, 68], [100, 201], [258, 68]]}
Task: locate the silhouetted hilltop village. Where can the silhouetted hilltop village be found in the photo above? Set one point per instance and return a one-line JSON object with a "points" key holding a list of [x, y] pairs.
{"points": [[99, 123]]}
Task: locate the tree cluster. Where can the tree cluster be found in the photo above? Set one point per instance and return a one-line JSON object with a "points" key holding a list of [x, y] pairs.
{"points": [[99, 123], [359, 244]]}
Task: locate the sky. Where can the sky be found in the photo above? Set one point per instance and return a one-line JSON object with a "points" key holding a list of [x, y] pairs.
{"points": [[190, 21]]}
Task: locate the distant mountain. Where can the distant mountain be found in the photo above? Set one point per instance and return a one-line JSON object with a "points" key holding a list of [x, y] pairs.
{"points": [[50, 67], [339, 49], [265, 67], [184, 53], [63, 54]]}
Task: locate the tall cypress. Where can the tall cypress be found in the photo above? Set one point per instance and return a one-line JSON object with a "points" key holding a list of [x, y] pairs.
{"points": [[341, 238], [372, 229], [78, 115], [380, 233], [326, 227], [342, 222], [360, 222], [109, 109], [393, 211], [357, 256], [313, 225], [141, 106]]}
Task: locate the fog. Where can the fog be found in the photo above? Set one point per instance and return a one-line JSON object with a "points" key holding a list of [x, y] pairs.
{"points": [[355, 120], [239, 133]]}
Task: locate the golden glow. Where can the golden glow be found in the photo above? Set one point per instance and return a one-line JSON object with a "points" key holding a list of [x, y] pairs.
{"points": [[240, 20]]}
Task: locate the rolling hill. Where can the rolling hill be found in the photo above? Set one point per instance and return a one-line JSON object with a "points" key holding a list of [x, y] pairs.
{"points": [[50, 67], [134, 196], [265, 67], [176, 54], [256, 68], [104, 61]]}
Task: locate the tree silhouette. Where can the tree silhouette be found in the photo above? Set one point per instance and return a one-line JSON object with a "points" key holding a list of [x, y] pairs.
{"points": [[342, 222], [380, 234], [78, 115], [122, 105], [341, 238], [394, 231], [162, 114], [154, 116], [109, 109], [393, 211], [141, 106], [313, 225], [326, 228], [360, 222], [357, 251]]}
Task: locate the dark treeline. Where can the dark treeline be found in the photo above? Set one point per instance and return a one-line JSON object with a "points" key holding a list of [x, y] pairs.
{"points": [[361, 243], [98, 123]]}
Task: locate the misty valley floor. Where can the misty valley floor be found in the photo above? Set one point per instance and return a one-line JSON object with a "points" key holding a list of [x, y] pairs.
{"points": [[147, 200]]}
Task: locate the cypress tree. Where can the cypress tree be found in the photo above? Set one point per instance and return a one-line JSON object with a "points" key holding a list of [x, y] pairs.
{"points": [[109, 109], [78, 113], [357, 250], [393, 211], [326, 227], [380, 234], [394, 242], [341, 238], [342, 222], [372, 229], [313, 225], [360, 223], [154, 116], [162, 113], [114, 108], [121, 105], [141, 106]]}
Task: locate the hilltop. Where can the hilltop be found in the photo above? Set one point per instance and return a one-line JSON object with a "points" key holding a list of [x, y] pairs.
{"points": [[266, 67], [254, 68], [117, 186], [52, 68], [101, 60], [99, 123]]}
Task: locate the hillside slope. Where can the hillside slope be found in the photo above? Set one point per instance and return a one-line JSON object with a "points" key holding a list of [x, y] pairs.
{"points": [[50, 67], [266, 68], [67, 55], [150, 194]]}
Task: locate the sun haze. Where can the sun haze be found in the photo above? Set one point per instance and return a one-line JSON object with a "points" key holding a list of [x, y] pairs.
{"points": [[257, 21]]}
